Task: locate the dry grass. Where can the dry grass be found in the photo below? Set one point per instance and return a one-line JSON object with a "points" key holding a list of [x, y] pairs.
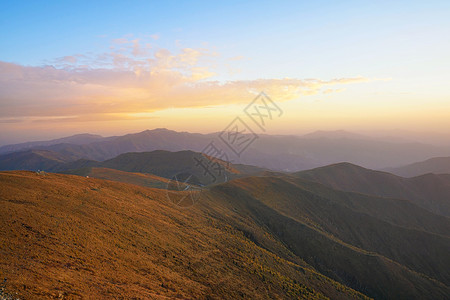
{"points": [[71, 237]]}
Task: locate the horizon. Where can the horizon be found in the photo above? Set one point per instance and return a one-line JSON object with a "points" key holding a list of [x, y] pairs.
{"points": [[404, 137], [359, 67]]}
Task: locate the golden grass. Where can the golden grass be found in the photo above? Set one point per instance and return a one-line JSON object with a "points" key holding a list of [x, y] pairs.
{"points": [[71, 237]]}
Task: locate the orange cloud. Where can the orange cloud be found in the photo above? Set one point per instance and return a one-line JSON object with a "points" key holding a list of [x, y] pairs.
{"points": [[235, 58], [129, 80]]}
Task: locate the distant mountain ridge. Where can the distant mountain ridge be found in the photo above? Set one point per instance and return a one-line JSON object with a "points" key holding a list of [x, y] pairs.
{"points": [[33, 160], [78, 139], [436, 165], [336, 134], [277, 152]]}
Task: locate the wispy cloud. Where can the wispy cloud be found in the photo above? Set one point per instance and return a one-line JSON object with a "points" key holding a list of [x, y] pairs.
{"points": [[134, 77], [155, 36], [330, 91], [236, 58]]}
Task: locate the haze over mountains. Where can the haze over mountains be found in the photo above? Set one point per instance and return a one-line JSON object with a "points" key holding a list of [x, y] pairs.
{"points": [[280, 153], [436, 165], [78, 139]]}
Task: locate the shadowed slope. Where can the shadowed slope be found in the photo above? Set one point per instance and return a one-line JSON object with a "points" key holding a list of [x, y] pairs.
{"points": [[167, 164], [428, 191], [33, 160], [364, 252]]}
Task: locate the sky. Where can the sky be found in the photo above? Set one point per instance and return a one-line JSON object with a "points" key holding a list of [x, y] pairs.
{"points": [[112, 68]]}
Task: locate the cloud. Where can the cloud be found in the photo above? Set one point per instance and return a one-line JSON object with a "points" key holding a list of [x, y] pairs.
{"points": [[87, 118], [69, 59], [130, 80], [329, 91], [120, 41], [13, 120], [236, 58]]}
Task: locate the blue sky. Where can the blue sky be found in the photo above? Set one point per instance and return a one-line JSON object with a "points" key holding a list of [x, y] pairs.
{"points": [[321, 37], [398, 50]]}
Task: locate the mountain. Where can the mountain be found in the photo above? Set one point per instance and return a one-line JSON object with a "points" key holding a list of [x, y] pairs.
{"points": [[437, 165], [33, 160], [65, 236], [336, 134], [429, 191], [269, 236], [276, 152], [78, 139], [349, 237], [146, 141], [205, 169], [168, 164]]}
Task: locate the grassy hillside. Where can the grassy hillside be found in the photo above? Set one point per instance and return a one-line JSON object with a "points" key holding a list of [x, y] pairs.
{"points": [[264, 237], [430, 191], [370, 254], [64, 236], [146, 180]]}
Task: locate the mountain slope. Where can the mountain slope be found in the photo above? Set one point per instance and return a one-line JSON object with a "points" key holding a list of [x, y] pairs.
{"points": [[145, 180], [64, 236], [272, 236], [437, 165], [357, 249], [429, 191]]}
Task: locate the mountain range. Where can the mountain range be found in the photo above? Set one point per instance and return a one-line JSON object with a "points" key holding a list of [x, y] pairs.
{"points": [[99, 228], [275, 152], [436, 165]]}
